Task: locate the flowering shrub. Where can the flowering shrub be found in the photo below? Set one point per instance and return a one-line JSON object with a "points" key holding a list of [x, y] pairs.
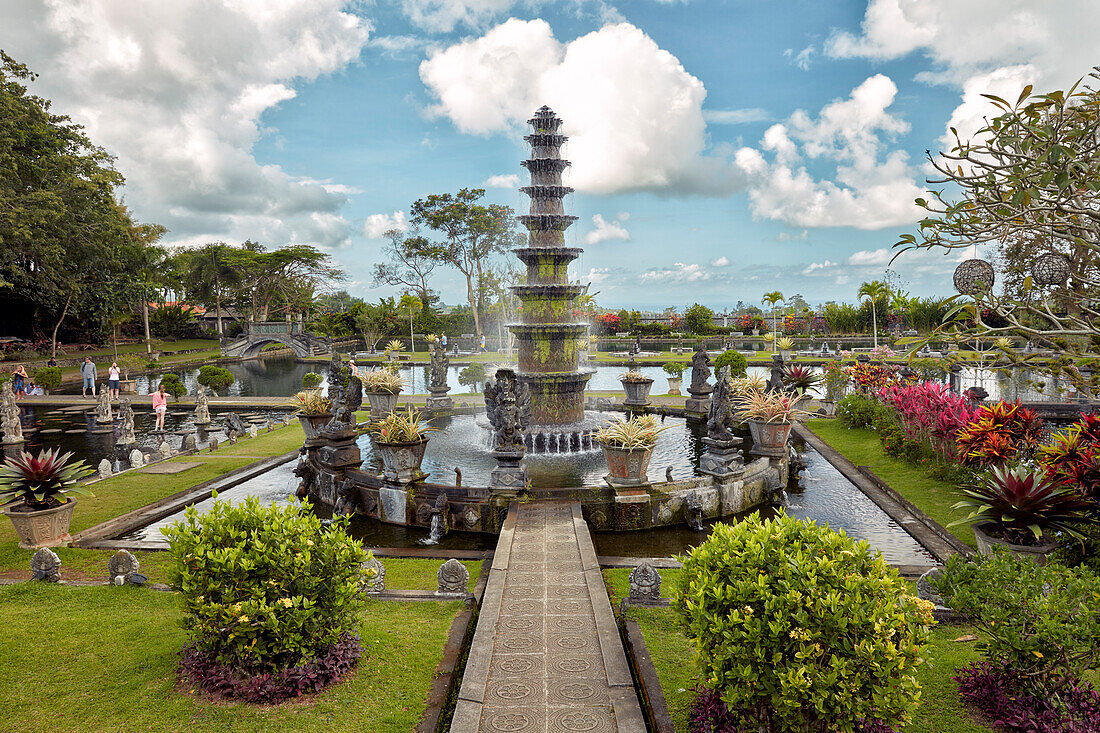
{"points": [[799, 628], [997, 433], [874, 377], [1073, 457], [930, 413], [747, 322], [883, 352], [837, 379], [609, 323]]}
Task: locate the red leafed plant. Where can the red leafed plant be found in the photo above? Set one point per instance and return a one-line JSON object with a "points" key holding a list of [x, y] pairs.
{"points": [[1073, 457], [930, 412], [41, 482], [999, 432]]}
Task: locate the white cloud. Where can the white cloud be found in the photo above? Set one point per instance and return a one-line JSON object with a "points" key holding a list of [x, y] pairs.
{"points": [[504, 180], [607, 230], [818, 267], [735, 116], [442, 16], [637, 125], [722, 261], [177, 91], [802, 59], [869, 189], [992, 46], [377, 225], [879, 257], [679, 272], [597, 275]]}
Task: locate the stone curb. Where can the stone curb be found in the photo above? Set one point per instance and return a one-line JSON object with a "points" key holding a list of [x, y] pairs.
{"points": [[648, 684]]}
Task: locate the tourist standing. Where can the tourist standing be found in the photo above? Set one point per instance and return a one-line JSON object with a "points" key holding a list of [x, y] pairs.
{"points": [[113, 375], [481, 346], [443, 338], [19, 381], [89, 374], [160, 406]]}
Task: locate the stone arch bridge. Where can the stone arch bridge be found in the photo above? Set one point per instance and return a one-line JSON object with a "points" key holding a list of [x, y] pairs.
{"points": [[256, 336]]}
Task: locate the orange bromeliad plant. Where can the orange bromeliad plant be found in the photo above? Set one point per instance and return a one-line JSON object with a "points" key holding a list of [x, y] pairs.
{"points": [[998, 433]]}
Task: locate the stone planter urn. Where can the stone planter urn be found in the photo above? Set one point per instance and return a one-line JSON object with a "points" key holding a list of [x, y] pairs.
{"points": [[674, 385], [756, 332], [381, 403], [986, 542], [769, 436], [44, 527], [401, 461], [312, 424], [786, 354], [627, 466], [637, 393], [127, 386], [830, 407]]}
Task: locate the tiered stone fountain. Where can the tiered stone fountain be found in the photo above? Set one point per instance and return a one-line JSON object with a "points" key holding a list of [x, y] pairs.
{"points": [[548, 337]]}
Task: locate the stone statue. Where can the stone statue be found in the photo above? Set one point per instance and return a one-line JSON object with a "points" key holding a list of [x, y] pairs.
{"points": [[693, 511], [437, 378], [453, 577], [775, 381], [126, 424], [9, 416], [700, 372], [235, 423], [306, 474], [372, 575], [645, 584], [720, 417], [202, 408], [347, 497], [103, 412], [46, 566], [340, 390], [121, 567], [508, 407]]}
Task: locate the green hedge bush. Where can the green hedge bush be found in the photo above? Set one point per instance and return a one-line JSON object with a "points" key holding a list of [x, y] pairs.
{"points": [[173, 385], [311, 380], [799, 628], [215, 377], [863, 411], [734, 360], [265, 587], [47, 377]]}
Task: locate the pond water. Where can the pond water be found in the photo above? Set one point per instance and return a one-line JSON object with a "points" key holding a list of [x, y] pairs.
{"points": [[820, 493]]}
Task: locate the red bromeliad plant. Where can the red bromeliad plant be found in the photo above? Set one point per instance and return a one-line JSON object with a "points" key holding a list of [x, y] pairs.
{"points": [[998, 433], [41, 482]]}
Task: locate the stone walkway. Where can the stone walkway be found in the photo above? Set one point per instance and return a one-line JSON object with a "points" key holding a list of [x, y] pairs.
{"points": [[546, 655]]}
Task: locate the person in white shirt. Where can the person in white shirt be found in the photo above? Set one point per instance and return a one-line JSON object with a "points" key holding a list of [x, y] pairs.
{"points": [[112, 381]]}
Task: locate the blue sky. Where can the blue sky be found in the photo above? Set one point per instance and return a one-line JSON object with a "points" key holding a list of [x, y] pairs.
{"points": [[721, 148]]}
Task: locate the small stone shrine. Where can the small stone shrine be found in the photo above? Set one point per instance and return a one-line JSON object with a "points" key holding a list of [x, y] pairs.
{"points": [[508, 408], [46, 566], [137, 458], [9, 416], [121, 567], [453, 577], [372, 576], [700, 388], [104, 469], [645, 585], [103, 413]]}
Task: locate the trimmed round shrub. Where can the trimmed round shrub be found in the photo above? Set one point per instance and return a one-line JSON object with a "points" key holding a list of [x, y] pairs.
{"points": [[265, 588], [48, 377], [215, 377], [173, 385], [311, 380], [800, 628], [734, 360]]}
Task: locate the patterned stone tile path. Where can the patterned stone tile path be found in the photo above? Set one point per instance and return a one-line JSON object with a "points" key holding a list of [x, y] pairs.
{"points": [[546, 655]]}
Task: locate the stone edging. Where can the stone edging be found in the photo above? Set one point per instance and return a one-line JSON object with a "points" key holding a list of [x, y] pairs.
{"points": [[650, 692], [929, 533]]}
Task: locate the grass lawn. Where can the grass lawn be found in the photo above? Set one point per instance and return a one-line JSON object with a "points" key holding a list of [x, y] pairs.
{"points": [[104, 659], [932, 496], [941, 710]]}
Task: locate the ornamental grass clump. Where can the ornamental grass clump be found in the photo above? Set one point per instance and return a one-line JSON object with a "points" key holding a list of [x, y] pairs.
{"points": [[385, 381], [800, 629], [636, 433], [401, 427], [311, 402], [768, 407], [270, 598]]}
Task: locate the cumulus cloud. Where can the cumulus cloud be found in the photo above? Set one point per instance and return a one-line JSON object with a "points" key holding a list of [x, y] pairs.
{"points": [[637, 125], [679, 272], [442, 16], [870, 188], [735, 116], [818, 267], [879, 257], [376, 225], [991, 46], [177, 91], [504, 180], [608, 230], [722, 261]]}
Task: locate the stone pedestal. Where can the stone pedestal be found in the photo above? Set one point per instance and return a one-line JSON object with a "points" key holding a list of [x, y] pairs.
{"points": [[722, 458], [509, 477], [438, 401], [632, 508], [336, 455], [698, 405]]}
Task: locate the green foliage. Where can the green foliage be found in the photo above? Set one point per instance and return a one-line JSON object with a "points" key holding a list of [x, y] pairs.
{"points": [[129, 363], [215, 377], [265, 587], [699, 319], [48, 377], [310, 380], [472, 375], [1085, 551], [174, 321], [863, 411], [799, 628], [674, 369], [734, 360], [1040, 620], [173, 385], [843, 318]]}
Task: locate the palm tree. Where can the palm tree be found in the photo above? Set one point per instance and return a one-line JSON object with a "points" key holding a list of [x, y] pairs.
{"points": [[211, 271], [772, 299], [873, 291], [410, 305]]}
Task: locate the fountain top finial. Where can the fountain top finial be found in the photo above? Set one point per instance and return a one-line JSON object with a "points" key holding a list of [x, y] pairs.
{"points": [[545, 119]]}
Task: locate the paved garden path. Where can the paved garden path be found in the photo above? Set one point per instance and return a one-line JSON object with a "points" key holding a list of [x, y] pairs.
{"points": [[546, 655]]}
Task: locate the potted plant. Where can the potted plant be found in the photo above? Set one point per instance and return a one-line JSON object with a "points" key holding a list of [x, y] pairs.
{"points": [[382, 387], [837, 381], [785, 344], [313, 409], [401, 439], [34, 493], [129, 363], [800, 380], [627, 446], [393, 348], [769, 416], [637, 386], [675, 372], [1020, 509]]}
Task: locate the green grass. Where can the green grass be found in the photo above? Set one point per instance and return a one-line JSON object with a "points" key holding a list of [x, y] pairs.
{"points": [[673, 655], [862, 447], [104, 659]]}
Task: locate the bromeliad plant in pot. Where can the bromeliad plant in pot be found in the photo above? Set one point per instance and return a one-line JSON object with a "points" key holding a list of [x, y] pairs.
{"points": [[1023, 510], [401, 439], [382, 387], [313, 409], [34, 491], [785, 344], [769, 416], [627, 446], [799, 380], [675, 372], [637, 386]]}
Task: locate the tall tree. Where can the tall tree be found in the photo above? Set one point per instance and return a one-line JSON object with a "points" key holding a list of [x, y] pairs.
{"points": [[373, 320], [410, 260], [410, 305], [773, 299], [211, 272], [471, 234]]}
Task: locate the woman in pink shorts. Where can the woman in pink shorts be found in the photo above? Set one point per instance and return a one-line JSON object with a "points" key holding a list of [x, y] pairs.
{"points": [[160, 406]]}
